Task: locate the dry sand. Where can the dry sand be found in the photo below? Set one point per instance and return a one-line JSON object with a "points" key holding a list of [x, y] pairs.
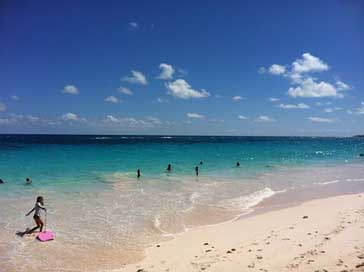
{"points": [[320, 235]]}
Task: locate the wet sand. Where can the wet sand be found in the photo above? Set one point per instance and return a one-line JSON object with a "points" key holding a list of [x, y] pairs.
{"points": [[318, 235]]}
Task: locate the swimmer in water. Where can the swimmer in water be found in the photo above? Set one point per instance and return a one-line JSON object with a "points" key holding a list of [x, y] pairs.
{"points": [[196, 171], [237, 164], [28, 181], [169, 168], [138, 173]]}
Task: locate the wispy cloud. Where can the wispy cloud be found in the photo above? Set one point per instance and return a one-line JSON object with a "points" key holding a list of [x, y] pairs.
{"points": [[341, 86], [357, 111], [15, 97], [112, 99], [273, 99], [124, 90], [264, 119], [237, 98], [181, 89], [300, 106], [136, 78], [331, 110], [193, 115], [134, 25], [70, 89], [320, 120], [242, 117], [2, 106], [72, 117], [131, 122]]}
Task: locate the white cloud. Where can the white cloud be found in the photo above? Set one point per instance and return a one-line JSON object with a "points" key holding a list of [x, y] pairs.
{"points": [[310, 88], [195, 115], [134, 25], [273, 99], [136, 78], [111, 119], [264, 118], [167, 71], [32, 119], [328, 110], [15, 97], [277, 69], [242, 117], [131, 122], [14, 118], [112, 99], [124, 90], [237, 98], [304, 84], [70, 89], [300, 106], [2, 107], [309, 63], [341, 86], [71, 117], [320, 120], [181, 89], [155, 120], [5, 121]]}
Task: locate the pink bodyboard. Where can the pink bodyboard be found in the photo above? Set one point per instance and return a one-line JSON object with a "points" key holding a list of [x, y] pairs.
{"points": [[46, 236]]}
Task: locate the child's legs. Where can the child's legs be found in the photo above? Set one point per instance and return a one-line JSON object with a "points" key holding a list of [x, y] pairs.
{"points": [[39, 223]]}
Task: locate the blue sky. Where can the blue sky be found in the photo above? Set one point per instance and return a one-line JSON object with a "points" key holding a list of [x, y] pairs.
{"points": [[191, 67]]}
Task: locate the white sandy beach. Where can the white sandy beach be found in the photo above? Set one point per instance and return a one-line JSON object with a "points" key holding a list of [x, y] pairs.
{"points": [[319, 235]]}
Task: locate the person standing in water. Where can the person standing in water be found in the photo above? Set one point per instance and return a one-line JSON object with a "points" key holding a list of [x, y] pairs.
{"points": [[169, 168], [237, 164], [39, 205], [196, 171], [28, 181], [138, 173]]}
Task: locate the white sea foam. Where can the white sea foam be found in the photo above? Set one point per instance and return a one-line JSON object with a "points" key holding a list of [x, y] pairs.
{"points": [[355, 179], [194, 196], [246, 202], [166, 137], [327, 182]]}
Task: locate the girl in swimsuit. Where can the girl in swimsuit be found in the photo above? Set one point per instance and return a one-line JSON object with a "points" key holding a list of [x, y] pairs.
{"points": [[39, 205]]}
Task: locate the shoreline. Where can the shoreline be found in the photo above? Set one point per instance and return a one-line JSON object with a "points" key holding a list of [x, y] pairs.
{"points": [[325, 234], [114, 254]]}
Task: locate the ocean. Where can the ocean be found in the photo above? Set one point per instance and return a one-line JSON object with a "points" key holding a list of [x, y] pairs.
{"points": [[104, 216]]}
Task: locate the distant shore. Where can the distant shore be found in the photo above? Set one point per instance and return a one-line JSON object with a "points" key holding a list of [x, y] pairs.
{"points": [[314, 236]]}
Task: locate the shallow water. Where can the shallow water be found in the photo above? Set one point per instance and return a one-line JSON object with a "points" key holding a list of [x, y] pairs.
{"points": [[104, 217]]}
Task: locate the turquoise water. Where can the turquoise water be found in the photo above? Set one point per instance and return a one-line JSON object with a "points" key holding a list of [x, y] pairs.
{"points": [[102, 214], [84, 160]]}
